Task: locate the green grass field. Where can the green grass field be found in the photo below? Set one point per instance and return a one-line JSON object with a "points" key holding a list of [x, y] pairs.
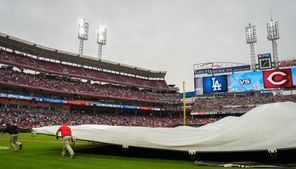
{"points": [[44, 152]]}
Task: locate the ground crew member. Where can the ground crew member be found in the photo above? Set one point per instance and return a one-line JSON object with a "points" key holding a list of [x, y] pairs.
{"points": [[12, 130], [66, 134]]}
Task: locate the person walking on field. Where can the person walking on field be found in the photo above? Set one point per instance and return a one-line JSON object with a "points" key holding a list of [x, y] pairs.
{"points": [[66, 134], [12, 130]]}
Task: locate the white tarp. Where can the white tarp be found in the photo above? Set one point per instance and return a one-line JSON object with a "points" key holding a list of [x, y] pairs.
{"points": [[270, 126]]}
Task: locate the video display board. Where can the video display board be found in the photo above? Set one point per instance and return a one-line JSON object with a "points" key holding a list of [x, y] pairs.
{"points": [[293, 70], [281, 78], [246, 81], [215, 84], [198, 86]]}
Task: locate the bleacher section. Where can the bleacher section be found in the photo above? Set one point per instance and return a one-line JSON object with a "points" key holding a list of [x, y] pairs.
{"points": [[11, 78], [234, 105], [287, 63], [27, 118], [23, 61]]}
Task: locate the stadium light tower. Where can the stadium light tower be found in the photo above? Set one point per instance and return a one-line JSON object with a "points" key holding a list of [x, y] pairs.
{"points": [[101, 39], [273, 35], [82, 34], [251, 38]]}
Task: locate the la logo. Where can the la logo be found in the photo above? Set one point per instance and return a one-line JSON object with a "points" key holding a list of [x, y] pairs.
{"points": [[216, 86]]}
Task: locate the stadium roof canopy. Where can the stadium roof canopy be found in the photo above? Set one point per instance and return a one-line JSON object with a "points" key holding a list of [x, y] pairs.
{"points": [[20, 45]]}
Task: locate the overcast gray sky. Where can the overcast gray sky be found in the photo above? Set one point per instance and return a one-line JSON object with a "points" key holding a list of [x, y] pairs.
{"points": [[164, 35]]}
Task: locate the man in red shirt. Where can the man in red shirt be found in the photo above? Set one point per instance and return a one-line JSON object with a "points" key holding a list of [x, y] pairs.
{"points": [[66, 134]]}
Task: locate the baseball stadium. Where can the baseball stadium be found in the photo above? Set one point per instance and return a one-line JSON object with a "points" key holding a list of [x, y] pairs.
{"points": [[127, 117]]}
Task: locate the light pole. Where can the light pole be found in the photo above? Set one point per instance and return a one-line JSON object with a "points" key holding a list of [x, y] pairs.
{"points": [[251, 38], [101, 39], [273, 35], [82, 34]]}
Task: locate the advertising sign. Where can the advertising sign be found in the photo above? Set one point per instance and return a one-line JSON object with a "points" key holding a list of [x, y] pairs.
{"points": [[52, 100], [78, 103], [264, 55], [222, 70]]}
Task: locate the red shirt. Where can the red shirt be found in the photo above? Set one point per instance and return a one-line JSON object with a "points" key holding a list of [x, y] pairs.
{"points": [[65, 130]]}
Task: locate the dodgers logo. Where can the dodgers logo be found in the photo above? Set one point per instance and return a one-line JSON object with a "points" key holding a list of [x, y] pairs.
{"points": [[216, 86]]}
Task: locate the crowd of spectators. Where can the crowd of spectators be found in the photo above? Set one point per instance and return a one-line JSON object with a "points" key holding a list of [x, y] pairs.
{"points": [[287, 63], [24, 61], [75, 86], [236, 104], [30, 119]]}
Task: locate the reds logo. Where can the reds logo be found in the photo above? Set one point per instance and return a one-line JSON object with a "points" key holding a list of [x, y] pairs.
{"points": [[277, 78]]}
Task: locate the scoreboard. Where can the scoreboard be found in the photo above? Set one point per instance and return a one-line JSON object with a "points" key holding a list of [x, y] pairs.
{"points": [[246, 81], [264, 61]]}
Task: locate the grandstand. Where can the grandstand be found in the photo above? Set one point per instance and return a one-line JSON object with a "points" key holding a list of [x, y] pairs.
{"points": [[38, 83]]}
